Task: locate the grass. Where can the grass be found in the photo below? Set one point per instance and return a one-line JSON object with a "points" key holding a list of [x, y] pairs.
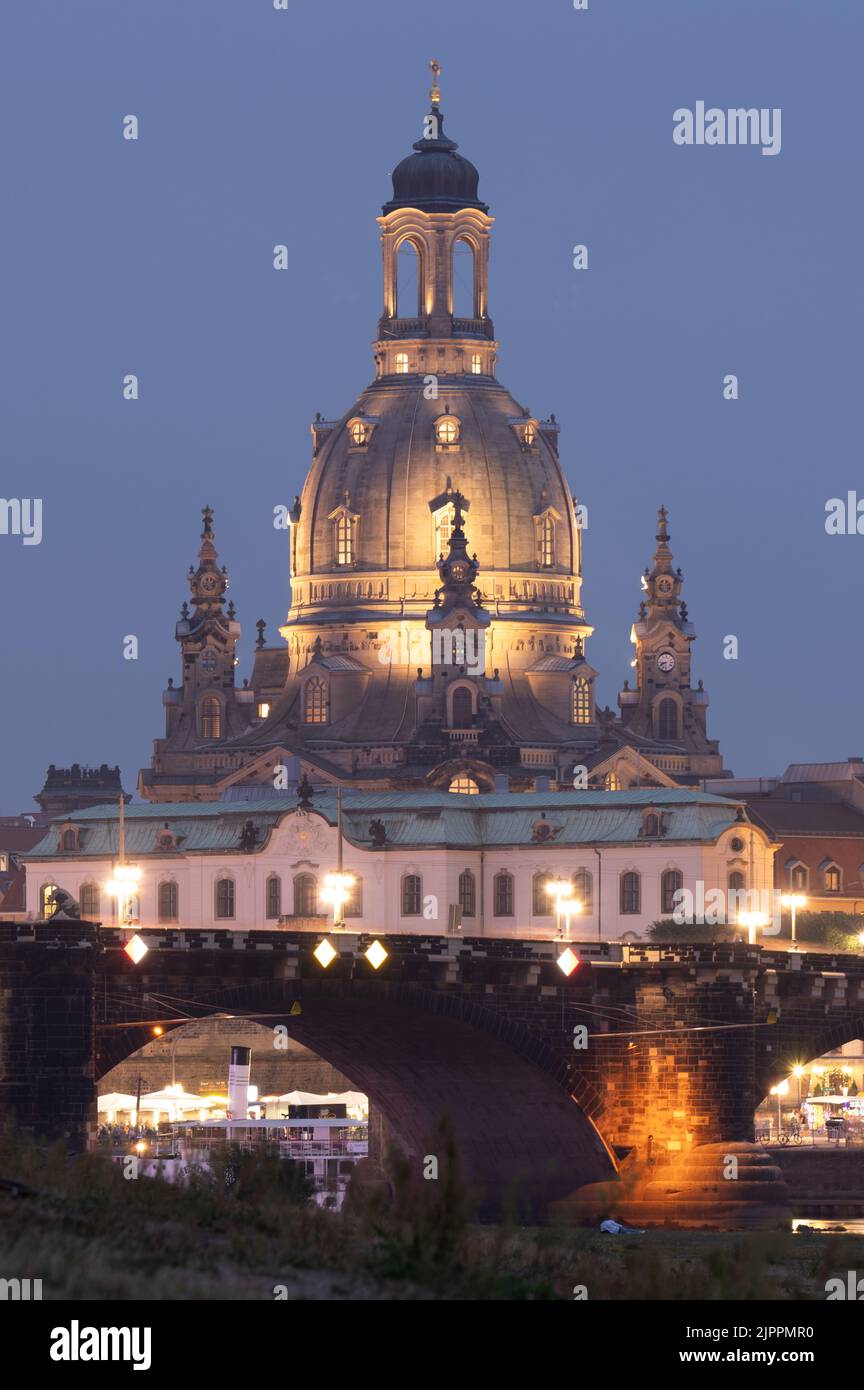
{"points": [[90, 1233]]}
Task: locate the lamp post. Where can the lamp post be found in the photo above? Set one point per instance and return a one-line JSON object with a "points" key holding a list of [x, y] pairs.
{"points": [[793, 901], [126, 877], [781, 1089], [752, 921], [798, 1072], [570, 907], [559, 889], [337, 886]]}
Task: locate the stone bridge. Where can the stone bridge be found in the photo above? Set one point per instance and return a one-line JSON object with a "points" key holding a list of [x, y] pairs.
{"points": [[674, 1046]]}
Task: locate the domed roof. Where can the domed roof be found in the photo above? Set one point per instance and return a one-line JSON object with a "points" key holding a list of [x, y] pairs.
{"points": [[399, 480], [436, 178]]}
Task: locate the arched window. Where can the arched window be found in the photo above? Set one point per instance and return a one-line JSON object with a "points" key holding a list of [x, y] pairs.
{"points": [[476, 363], [210, 716], [529, 434], [447, 430], [798, 878], [541, 901], [344, 540], [225, 897], [69, 841], [462, 707], [581, 701], [354, 902], [46, 892], [359, 432], [464, 785], [305, 895], [467, 893], [315, 701], [832, 879], [443, 529], [671, 882], [583, 890], [502, 894], [651, 825], [546, 541], [412, 895], [273, 897], [409, 287], [401, 363], [611, 782], [464, 303], [667, 719], [88, 901], [736, 882], [167, 902], [630, 892]]}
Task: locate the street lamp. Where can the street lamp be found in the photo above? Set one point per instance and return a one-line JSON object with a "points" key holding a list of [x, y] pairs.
{"points": [[781, 1089], [793, 901], [337, 891], [752, 921], [798, 1072], [123, 886], [559, 889], [570, 907]]}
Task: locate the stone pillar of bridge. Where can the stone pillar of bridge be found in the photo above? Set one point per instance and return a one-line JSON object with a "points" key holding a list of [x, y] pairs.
{"points": [[47, 1085]]}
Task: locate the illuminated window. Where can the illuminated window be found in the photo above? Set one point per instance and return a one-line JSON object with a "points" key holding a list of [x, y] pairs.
{"points": [[4, 863], [630, 893], [467, 893], [583, 889], [667, 719], [167, 902], [412, 895], [447, 430], [210, 716], [315, 701], [263, 709], [581, 701], [401, 362], [476, 363], [344, 540], [466, 785], [354, 902], [443, 529], [273, 897], [546, 542], [529, 434], [541, 901], [359, 432], [671, 882], [832, 879], [46, 893], [611, 782], [225, 897], [306, 895], [88, 901], [502, 894]]}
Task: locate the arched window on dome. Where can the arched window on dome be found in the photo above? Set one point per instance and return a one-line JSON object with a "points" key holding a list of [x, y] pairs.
{"points": [[401, 363], [529, 435], [409, 284], [464, 785], [344, 540], [546, 541], [443, 519], [315, 701], [464, 282], [581, 701], [210, 718], [447, 431], [359, 432]]}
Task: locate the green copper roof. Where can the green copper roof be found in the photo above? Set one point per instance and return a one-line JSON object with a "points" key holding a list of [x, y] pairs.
{"points": [[410, 818]]}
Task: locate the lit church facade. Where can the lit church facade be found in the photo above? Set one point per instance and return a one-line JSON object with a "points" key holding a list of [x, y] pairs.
{"points": [[436, 638]]}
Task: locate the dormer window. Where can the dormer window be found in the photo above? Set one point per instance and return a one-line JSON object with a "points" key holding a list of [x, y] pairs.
{"points": [[529, 434], [546, 546], [401, 363], [447, 432], [69, 839], [315, 701], [652, 824], [359, 432], [344, 527], [581, 700]]}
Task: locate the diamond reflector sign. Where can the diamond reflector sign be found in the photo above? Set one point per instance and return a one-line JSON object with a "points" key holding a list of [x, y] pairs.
{"points": [[324, 953], [136, 949], [567, 961], [376, 954]]}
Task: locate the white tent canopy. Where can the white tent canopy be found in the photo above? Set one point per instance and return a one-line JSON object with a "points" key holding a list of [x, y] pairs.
{"points": [[331, 1098], [171, 1100], [116, 1100]]}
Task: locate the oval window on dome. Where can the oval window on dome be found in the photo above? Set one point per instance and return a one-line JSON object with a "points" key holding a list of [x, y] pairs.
{"points": [[447, 430], [359, 432]]}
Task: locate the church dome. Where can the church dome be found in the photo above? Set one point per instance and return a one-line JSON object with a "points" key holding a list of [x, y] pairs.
{"points": [[435, 178]]}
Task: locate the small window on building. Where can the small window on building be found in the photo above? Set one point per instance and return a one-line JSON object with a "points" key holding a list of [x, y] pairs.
{"points": [[359, 432], [447, 430], [263, 709], [354, 902], [651, 826], [46, 893], [541, 901], [583, 890], [70, 841], [631, 893], [529, 434], [467, 893], [412, 895], [612, 782], [466, 785], [546, 542], [476, 363], [581, 701], [502, 894], [167, 902], [671, 882], [401, 363], [798, 878], [443, 529], [273, 897], [88, 901], [667, 719], [305, 895], [315, 701], [224, 897], [833, 879], [344, 540], [736, 882], [211, 718]]}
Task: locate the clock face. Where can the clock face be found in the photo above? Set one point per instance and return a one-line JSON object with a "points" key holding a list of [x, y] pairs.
{"points": [[209, 584], [664, 586], [666, 661]]}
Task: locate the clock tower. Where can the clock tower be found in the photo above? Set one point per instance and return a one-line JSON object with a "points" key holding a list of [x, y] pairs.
{"points": [[663, 709]]}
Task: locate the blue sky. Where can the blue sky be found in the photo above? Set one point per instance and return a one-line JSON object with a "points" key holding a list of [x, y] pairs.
{"points": [[258, 127]]}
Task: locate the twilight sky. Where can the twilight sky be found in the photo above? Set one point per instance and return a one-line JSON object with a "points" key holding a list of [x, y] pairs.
{"points": [[260, 126]]}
